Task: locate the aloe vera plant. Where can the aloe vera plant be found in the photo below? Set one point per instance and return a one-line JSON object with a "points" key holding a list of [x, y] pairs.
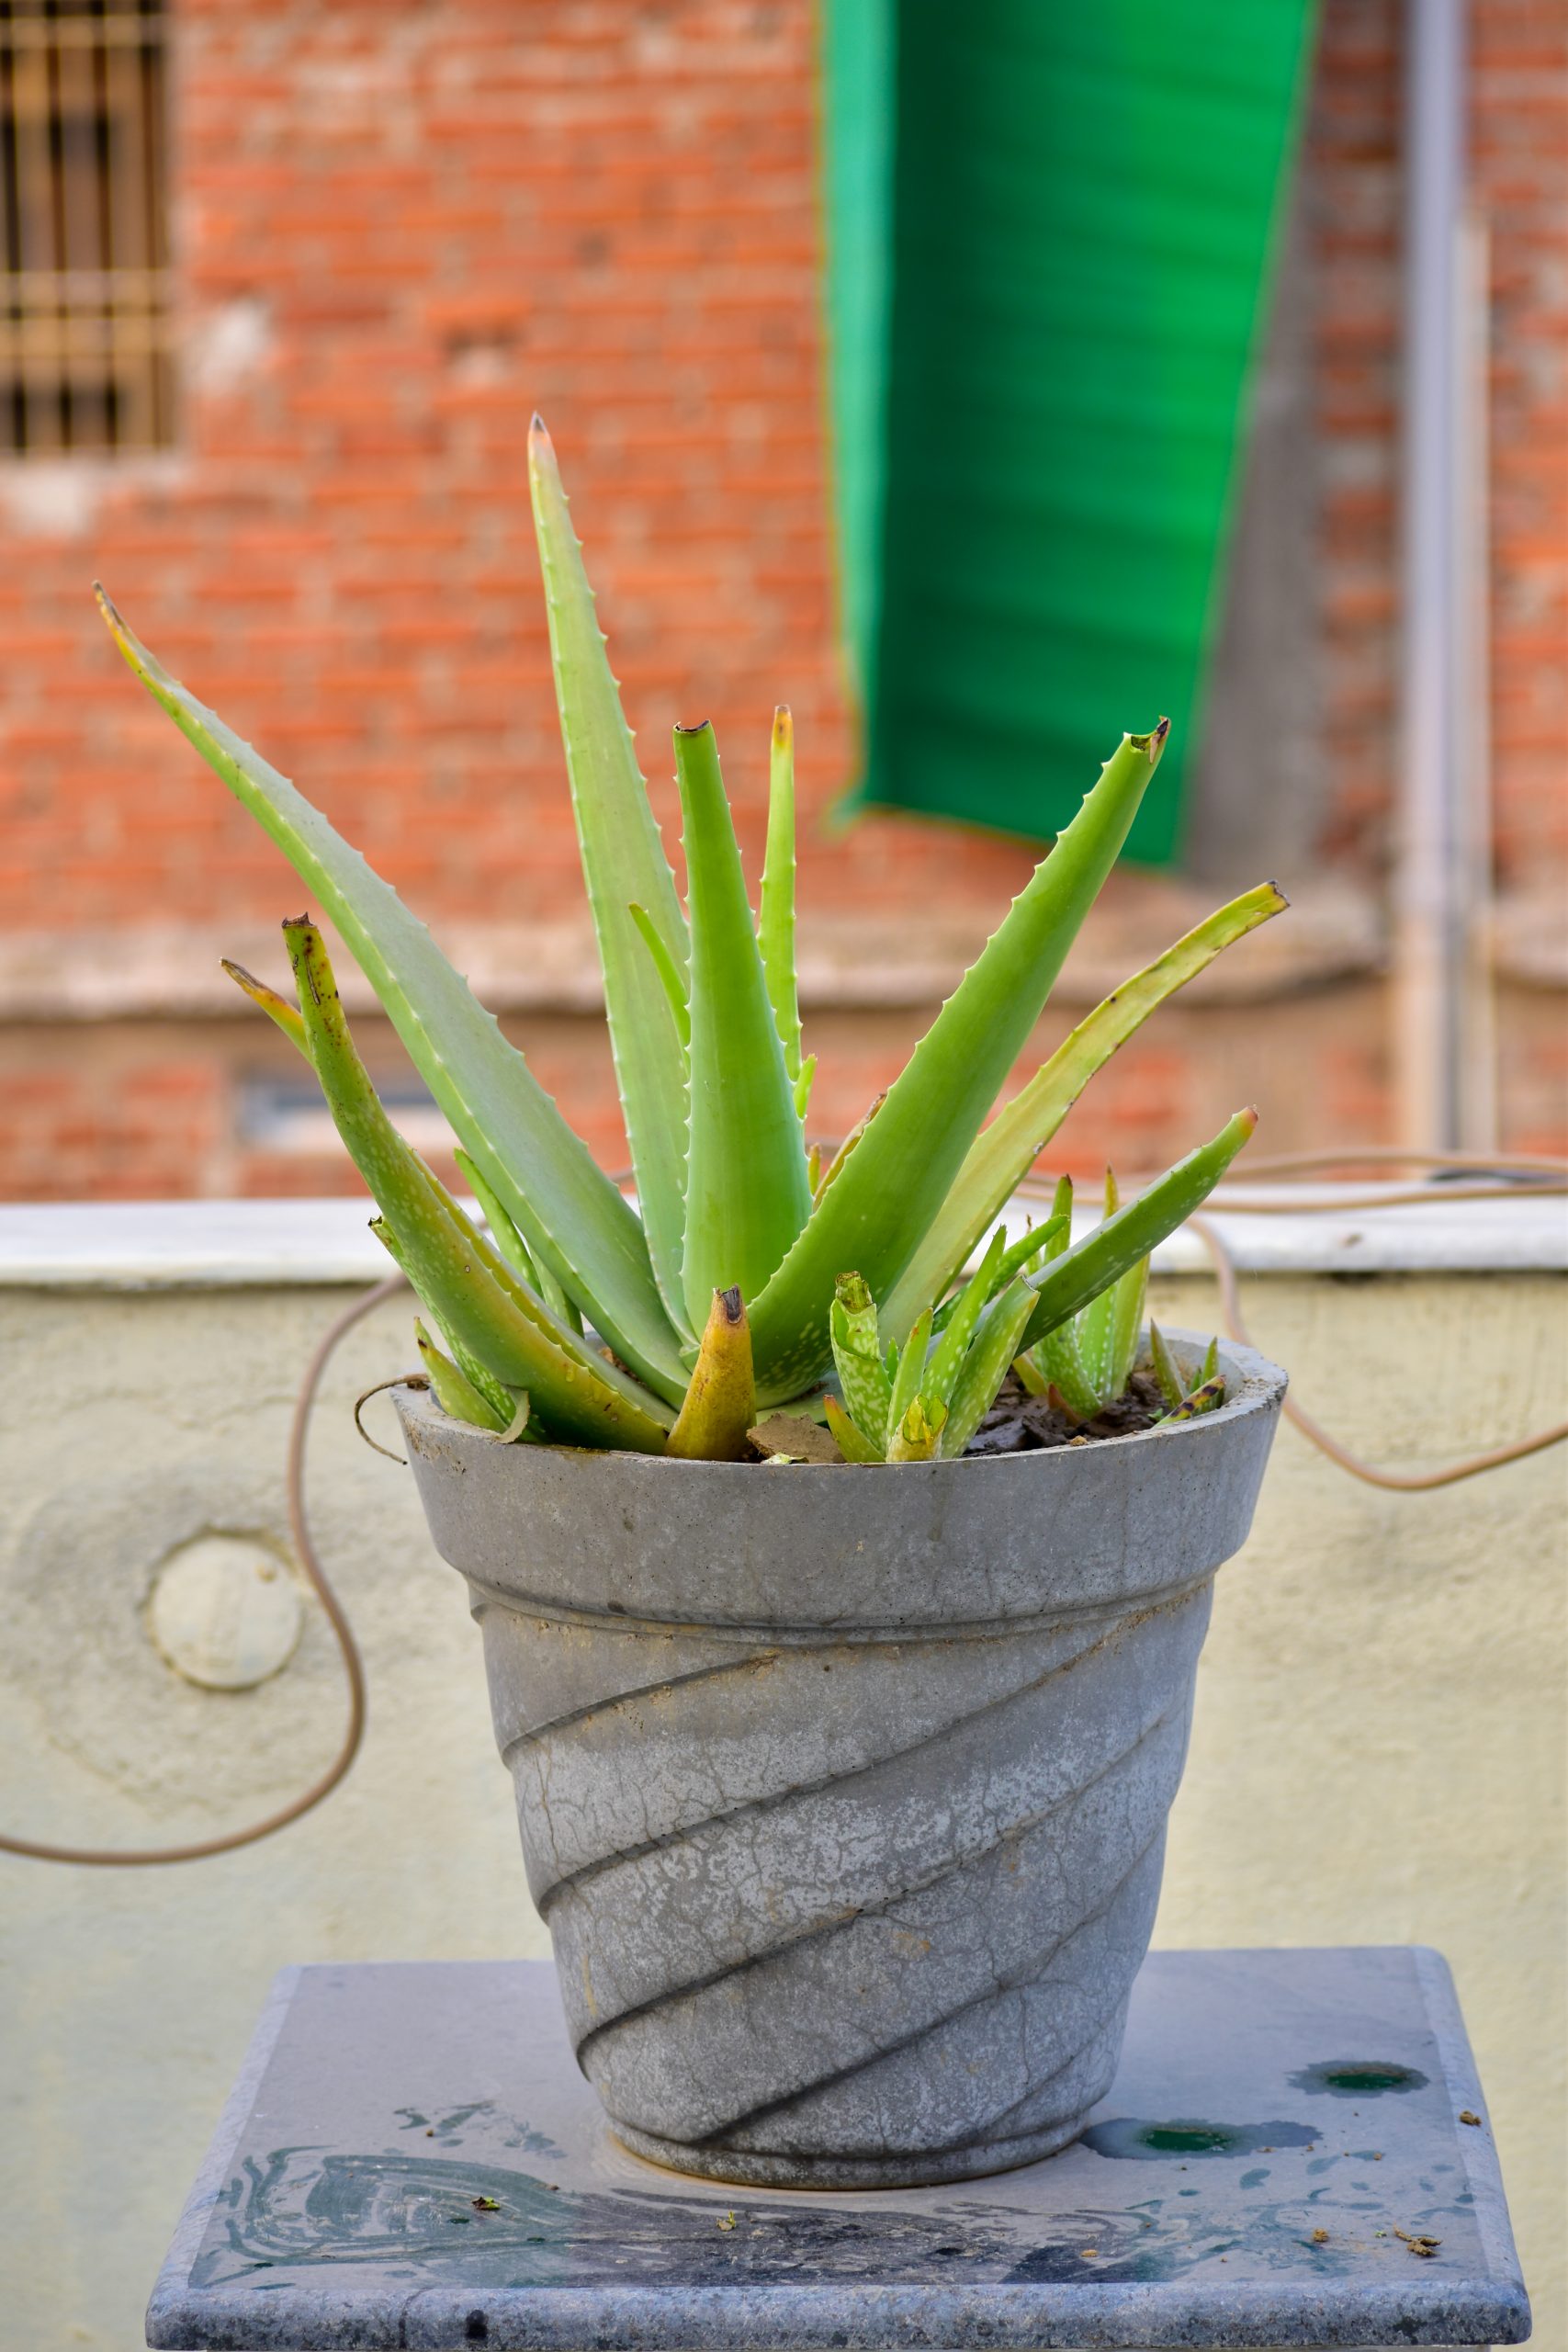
{"points": [[668, 1327], [1085, 1363], [1083, 1366]]}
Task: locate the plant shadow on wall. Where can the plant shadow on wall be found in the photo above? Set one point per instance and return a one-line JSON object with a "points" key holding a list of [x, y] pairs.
{"points": [[751, 1278], [840, 1609]]}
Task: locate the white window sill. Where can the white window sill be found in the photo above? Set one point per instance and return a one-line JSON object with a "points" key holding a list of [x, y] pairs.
{"points": [[216, 1245]]}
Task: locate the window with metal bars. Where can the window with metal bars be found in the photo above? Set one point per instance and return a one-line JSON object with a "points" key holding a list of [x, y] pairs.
{"points": [[84, 327]]}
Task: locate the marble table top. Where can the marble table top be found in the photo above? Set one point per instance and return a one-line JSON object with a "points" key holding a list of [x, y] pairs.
{"points": [[1295, 2152]]}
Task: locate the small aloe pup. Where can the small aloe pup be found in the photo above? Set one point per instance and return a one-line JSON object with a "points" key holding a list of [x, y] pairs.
{"points": [[1085, 1363], [671, 1327]]}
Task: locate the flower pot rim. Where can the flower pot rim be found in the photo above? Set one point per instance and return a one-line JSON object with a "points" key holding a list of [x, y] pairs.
{"points": [[1254, 1383]]}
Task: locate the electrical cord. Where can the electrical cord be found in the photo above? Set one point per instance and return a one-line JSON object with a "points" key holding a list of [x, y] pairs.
{"points": [[1539, 1175], [132, 1858]]}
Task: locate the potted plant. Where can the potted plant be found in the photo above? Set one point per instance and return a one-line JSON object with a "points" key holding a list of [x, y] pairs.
{"points": [[841, 1612]]}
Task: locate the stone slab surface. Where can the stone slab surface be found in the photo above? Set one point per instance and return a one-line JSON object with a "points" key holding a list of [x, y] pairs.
{"points": [[412, 2159]]}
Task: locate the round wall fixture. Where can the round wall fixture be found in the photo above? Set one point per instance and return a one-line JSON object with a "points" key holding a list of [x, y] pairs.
{"points": [[225, 1612]]}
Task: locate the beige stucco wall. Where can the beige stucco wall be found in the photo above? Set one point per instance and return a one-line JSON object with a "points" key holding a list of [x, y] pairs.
{"points": [[1379, 1753]]}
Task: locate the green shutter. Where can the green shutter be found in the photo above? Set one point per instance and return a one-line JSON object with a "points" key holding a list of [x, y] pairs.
{"points": [[1046, 290]]}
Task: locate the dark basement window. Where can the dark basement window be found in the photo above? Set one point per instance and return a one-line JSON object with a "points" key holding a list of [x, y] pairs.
{"points": [[85, 326]]}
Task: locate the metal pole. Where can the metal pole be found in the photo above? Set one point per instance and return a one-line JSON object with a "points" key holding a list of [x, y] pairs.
{"points": [[1432, 930]]}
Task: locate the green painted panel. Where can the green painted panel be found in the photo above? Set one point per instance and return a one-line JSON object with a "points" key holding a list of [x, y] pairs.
{"points": [[1084, 201], [858, 79]]}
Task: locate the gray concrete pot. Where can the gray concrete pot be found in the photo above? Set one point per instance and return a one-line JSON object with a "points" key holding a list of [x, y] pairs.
{"points": [[844, 1790]]}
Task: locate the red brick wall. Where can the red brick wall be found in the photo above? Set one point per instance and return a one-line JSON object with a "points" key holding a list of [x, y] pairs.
{"points": [[401, 225]]}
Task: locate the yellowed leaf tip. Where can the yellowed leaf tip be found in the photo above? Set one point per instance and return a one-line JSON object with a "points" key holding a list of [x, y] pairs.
{"points": [[784, 728], [110, 612], [246, 980]]}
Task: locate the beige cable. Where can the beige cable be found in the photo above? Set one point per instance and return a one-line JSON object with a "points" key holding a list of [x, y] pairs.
{"points": [[133, 1857], [1542, 1176]]}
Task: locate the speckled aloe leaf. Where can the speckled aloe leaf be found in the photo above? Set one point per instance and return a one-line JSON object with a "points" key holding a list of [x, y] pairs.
{"points": [[1109, 1327], [460, 1276], [884, 1197], [984, 1366], [1070, 1282], [746, 1189], [909, 1373], [567, 1209], [919, 1431], [1008, 1147], [864, 1376], [850, 1438], [1061, 1366], [1131, 1296], [624, 866]]}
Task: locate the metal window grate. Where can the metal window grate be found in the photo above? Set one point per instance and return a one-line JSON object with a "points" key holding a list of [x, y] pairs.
{"points": [[85, 326]]}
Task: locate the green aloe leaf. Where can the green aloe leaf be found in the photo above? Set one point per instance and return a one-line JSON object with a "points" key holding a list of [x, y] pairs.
{"points": [[671, 979], [986, 1365], [850, 1439], [746, 1189], [567, 1210], [1069, 1282], [918, 1434], [455, 1392], [513, 1249], [825, 1176], [801, 1089], [1109, 1325], [885, 1194], [1008, 1147], [622, 864], [1131, 1296], [1166, 1371], [1059, 1360], [461, 1277], [1097, 1323], [503, 1233], [909, 1373], [1042, 1240], [857, 1354], [775, 904], [948, 1354]]}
